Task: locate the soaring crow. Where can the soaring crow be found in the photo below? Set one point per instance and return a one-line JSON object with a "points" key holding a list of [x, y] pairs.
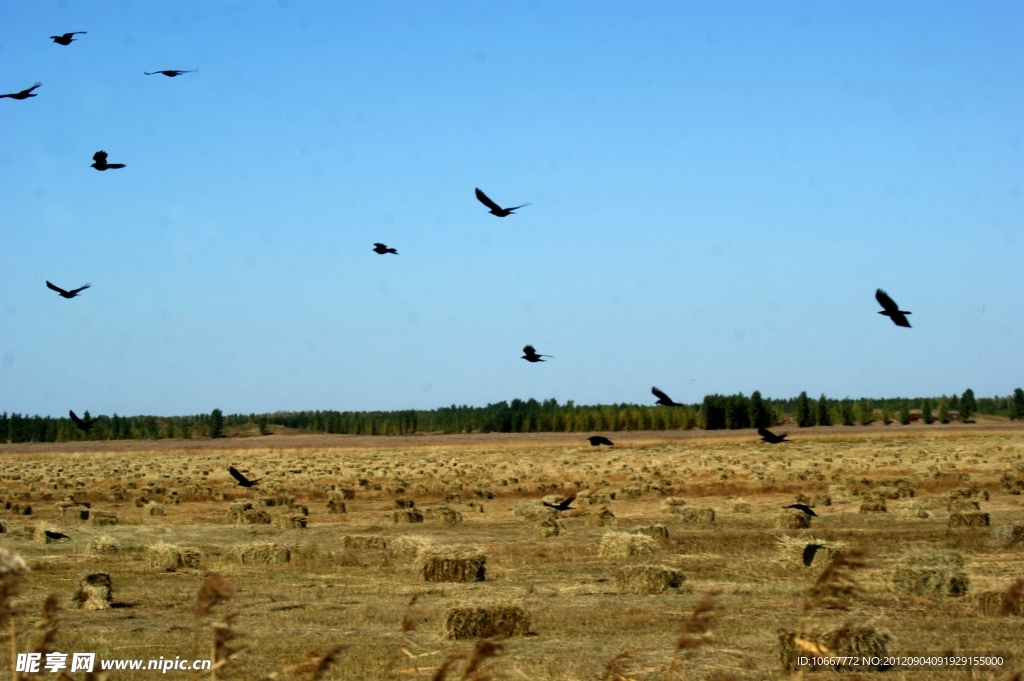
{"points": [[562, 505], [242, 480], [809, 552], [495, 208], [67, 294], [531, 354], [891, 309], [382, 249], [596, 440], [170, 73], [100, 162], [770, 437], [24, 94], [83, 424], [65, 39], [805, 508], [664, 399]]}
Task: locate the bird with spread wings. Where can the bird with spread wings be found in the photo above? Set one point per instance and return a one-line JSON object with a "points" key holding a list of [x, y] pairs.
{"points": [[891, 309], [170, 73], [83, 424], [65, 39], [495, 208], [67, 294], [24, 94], [664, 399], [100, 162], [242, 480]]}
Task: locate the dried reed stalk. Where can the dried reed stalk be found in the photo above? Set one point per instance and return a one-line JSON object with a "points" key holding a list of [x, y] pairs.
{"points": [[213, 591], [1012, 599], [696, 629]]}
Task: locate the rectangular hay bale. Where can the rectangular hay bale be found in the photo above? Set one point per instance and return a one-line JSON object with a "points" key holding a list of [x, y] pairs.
{"points": [[486, 621], [441, 564]]}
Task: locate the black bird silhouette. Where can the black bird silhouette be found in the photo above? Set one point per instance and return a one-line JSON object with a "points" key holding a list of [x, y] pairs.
{"points": [[531, 354], [67, 294], [382, 249], [100, 162], [596, 440], [891, 309], [65, 39], [664, 399], [495, 208], [809, 552], [170, 73], [83, 424], [24, 94], [770, 437], [805, 508], [55, 535], [242, 480], [562, 505]]}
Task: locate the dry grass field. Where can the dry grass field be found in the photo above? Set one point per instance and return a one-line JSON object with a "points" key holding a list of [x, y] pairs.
{"points": [[353, 542]]}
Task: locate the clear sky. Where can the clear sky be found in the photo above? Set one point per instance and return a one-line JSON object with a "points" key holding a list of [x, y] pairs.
{"points": [[716, 189]]}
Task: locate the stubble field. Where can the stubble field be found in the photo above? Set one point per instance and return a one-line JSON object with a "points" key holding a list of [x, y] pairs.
{"points": [[599, 591]]}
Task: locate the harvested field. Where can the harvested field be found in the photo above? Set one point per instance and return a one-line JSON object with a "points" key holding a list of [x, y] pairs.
{"points": [[349, 575]]}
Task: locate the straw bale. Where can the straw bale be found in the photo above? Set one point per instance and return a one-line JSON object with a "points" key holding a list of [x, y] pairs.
{"points": [[631, 492], [534, 511], [873, 505], [449, 515], [347, 493], [408, 515], [266, 553], [914, 509], [163, 557], [931, 572], [835, 638], [336, 506], [625, 545], [364, 542], [647, 579], [72, 511], [103, 544], [1011, 534], [40, 530], [989, 603], [452, 564], [552, 527], [102, 518], [820, 500], [792, 550], [403, 502], [702, 514], [253, 516], [406, 545], [658, 533], [741, 507], [792, 519], [94, 591], [599, 517], [153, 509], [969, 519], [959, 505], [479, 621], [672, 505], [292, 521]]}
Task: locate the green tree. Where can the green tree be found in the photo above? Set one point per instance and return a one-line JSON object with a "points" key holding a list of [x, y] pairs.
{"points": [[216, 423], [904, 412], [803, 411], [968, 405], [263, 423], [1016, 405], [759, 415], [943, 410], [824, 415], [927, 409], [865, 412], [846, 412], [886, 413]]}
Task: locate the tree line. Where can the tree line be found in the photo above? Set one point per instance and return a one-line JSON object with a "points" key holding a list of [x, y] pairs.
{"points": [[716, 412]]}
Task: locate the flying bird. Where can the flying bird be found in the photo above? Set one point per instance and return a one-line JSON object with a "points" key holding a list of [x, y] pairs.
{"points": [[170, 73], [562, 505], [83, 424], [65, 39], [382, 249], [809, 552], [67, 294], [242, 480], [100, 162], [664, 399], [805, 508], [596, 440], [50, 534], [495, 208], [531, 354], [891, 309], [24, 94], [770, 437]]}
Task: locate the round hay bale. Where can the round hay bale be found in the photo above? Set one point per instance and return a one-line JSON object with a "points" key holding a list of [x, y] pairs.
{"points": [[647, 579], [103, 518], [408, 515], [791, 519], [551, 527], [292, 521], [626, 545], [968, 519], [931, 572], [873, 505], [153, 509], [741, 507], [364, 542], [262, 553], [94, 591], [658, 533], [599, 517], [103, 545], [486, 621], [831, 638], [452, 564]]}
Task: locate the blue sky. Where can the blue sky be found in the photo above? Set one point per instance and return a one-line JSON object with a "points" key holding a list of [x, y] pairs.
{"points": [[716, 189]]}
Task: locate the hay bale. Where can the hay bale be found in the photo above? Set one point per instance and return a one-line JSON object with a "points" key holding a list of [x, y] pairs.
{"points": [[839, 639], [94, 591], [672, 505], [741, 507], [40, 534], [73, 511], [989, 603], [931, 572], [968, 519], [914, 510], [364, 542], [336, 506], [103, 545], [820, 500], [153, 509], [449, 515], [347, 493], [452, 564], [552, 527], [406, 545], [236, 509], [792, 550], [408, 515], [873, 505], [791, 519], [403, 502], [189, 557], [103, 518], [702, 514], [534, 511], [262, 553], [1011, 534], [486, 621], [163, 557], [253, 516], [626, 545], [658, 533], [631, 492], [647, 579], [599, 517], [293, 521]]}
